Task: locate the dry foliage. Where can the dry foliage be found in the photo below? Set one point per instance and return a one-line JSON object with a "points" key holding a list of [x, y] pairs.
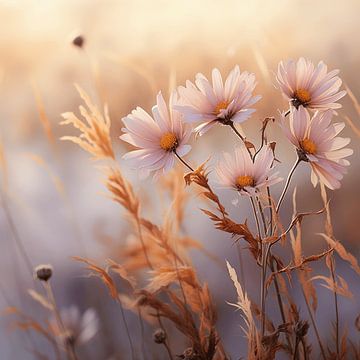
{"points": [[95, 132], [151, 274]]}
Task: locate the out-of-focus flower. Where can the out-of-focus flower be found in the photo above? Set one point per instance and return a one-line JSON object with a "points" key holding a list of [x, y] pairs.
{"points": [[317, 142], [79, 329], [157, 137], [217, 102], [239, 172], [313, 87]]}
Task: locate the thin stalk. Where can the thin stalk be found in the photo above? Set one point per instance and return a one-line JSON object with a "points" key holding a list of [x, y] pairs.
{"points": [[231, 124], [142, 332], [295, 355], [269, 230], [70, 350], [332, 270], [263, 271], [126, 328], [16, 235], [183, 161], [179, 278], [271, 265], [270, 209], [242, 275], [314, 326], [143, 243], [236, 131], [167, 347], [168, 350], [261, 210], [256, 217], [304, 348], [279, 299], [291, 173]]}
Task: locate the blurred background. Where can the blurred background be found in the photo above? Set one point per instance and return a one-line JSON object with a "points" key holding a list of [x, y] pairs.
{"points": [[52, 196]]}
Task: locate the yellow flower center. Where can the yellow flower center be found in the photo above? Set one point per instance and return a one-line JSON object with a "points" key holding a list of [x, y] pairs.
{"points": [[244, 180], [302, 95], [308, 146], [221, 106], [168, 141]]}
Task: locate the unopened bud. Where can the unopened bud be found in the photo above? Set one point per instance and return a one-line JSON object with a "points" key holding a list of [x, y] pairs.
{"points": [[43, 272], [79, 41], [159, 336]]}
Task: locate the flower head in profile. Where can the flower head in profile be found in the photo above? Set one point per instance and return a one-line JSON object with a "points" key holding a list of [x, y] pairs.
{"points": [[317, 142], [79, 329], [214, 102], [240, 173], [313, 87], [156, 137]]}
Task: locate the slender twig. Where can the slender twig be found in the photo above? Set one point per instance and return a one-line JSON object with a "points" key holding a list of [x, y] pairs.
{"points": [[269, 230], [263, 270], [303, 343], [138, 223], [16, 235], [297, 162], [231, 124], [279, 299], [256, 217], [142, 332], [126, 328], [270, 209], [242, 275], [314, 325], [295, 355], [332, 270], [183, 161], [167, 347], [262, 214], [168, 350], [178, 275], [263, 139], [70, 350]]}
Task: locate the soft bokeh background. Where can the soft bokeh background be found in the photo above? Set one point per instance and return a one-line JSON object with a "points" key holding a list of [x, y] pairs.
{"points": [[133, 49]]}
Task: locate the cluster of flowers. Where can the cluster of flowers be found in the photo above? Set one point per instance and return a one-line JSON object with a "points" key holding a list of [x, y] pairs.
{"points": [[312, 93]]}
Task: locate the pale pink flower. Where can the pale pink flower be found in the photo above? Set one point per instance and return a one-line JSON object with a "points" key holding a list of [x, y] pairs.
{"points": [[313, 87], [157, 137], [317, 142], [217, 102], [78, 328], [239, 172]]}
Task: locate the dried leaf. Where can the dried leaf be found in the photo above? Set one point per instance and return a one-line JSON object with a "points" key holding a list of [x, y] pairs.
{"points": [[345, 255], [227, 225], [102, 274], [122, 272], [165, 276], [340, 288]]}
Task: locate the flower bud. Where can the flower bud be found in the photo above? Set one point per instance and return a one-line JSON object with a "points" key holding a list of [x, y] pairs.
{"points": [[79, 41], [43, 272], [159, 336]]}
